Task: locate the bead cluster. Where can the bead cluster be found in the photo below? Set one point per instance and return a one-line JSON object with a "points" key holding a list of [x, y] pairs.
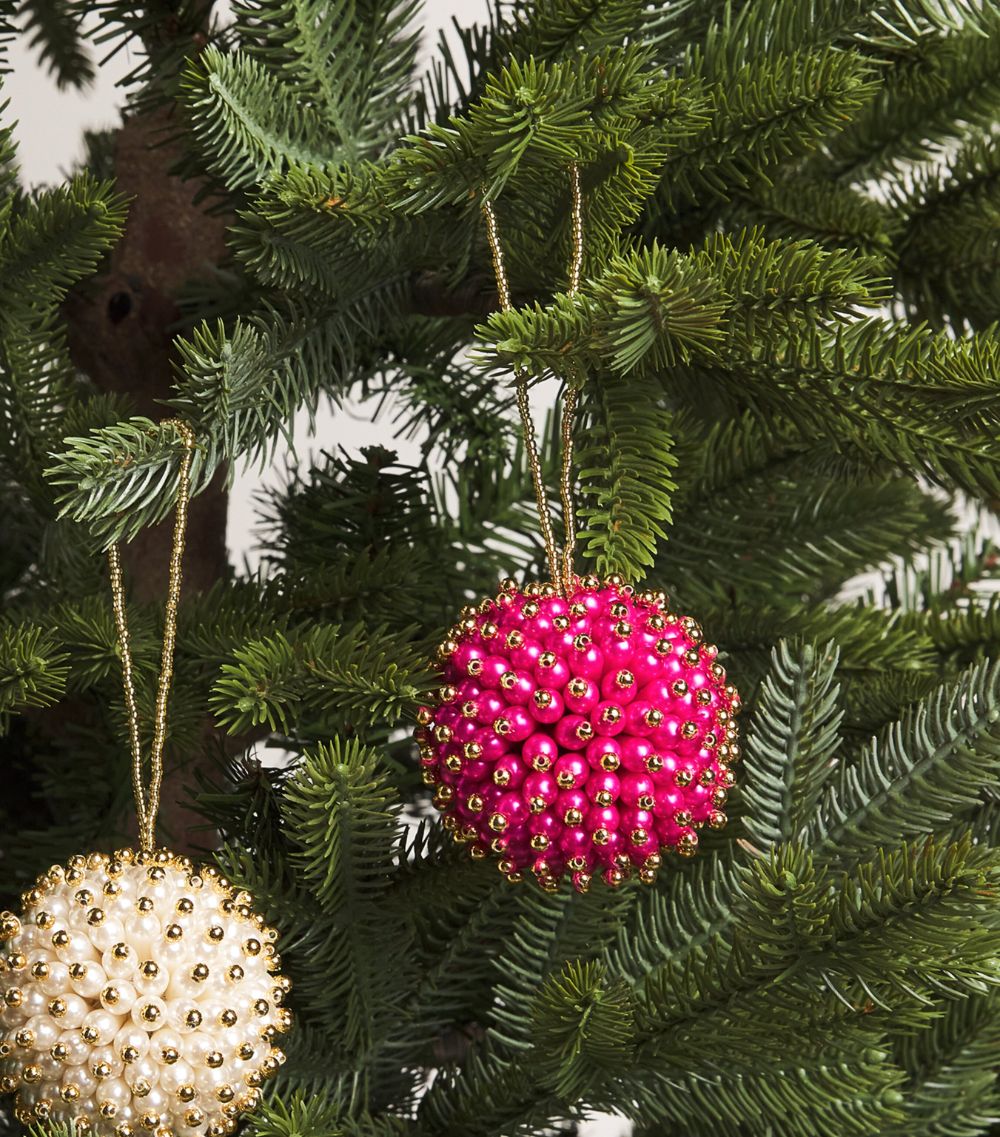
{"points": [[580, 734], [139, 994]]}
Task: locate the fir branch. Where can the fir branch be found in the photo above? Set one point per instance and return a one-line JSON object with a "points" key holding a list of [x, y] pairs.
{"points": [[247, 123], [625, 468], [947, 746], [582, 1029], [33, 669], [55, 240], [54, 30], [761, 114], [342, 676], [791, 748]]}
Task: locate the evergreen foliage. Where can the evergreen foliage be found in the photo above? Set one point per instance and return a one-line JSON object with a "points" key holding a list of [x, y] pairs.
{"points": [[786, 353]]}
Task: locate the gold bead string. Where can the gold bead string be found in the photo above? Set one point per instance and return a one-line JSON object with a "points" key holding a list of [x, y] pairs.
{"points": [[560, 564], [147, 804]]}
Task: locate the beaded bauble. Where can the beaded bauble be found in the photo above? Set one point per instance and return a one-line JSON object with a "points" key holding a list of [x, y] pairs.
{"points": [[139, 994], [580, 734]]}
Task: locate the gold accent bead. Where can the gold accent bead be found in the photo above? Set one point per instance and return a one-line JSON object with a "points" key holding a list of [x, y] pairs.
{"points": [[498, 823], [683, 778], [539, 842], [145, 904], [610, 762], [501, 777], [582, 641], [716, 819], [646, 801], [689, 730], [213, 1059], [57, 1007], [547, 659], [150, 1013], [654, 763], [573, 817], [679, 687], [604, 797], [90, 1034], [447, 693], [186, 1092], [601, 836]]}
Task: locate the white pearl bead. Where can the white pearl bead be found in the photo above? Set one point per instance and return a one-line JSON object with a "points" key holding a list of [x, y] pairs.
{"points": [[45, 1030], [76, 1010], [150, 982], [108, 1056], [106, 1024], [90, 982], [133, 1036], [115, 1090], [77, 1051], [145, 1069], [119, 965], [106, 934], [177, 1075], [57, 979], [149, 1012]]}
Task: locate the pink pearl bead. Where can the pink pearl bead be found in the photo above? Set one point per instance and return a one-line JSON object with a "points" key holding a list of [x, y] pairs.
{"points": [[587, 662], [580, 702], [521, 692], [636, 786], [568, 732], [602, 748], [519, 724], [608, 719], [543, 785], [539, 746], [571, 766], [489, 706], [603, 783], [550, 713], [555, 676], [493, 667]]}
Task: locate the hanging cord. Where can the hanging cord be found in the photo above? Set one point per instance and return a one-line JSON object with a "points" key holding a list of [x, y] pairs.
{"points": [[570, 398], [147, 805], [560, 565]]}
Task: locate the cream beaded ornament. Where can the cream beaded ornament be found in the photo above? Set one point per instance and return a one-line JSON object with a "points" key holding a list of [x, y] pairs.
{"points": [[580, 727], [139, 993]]}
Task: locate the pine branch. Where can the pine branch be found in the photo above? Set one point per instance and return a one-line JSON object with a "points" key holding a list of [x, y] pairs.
{"points": [[54, 30], [33, 670], [791, 748], [625, 469], [918, 775], [340, 676]]}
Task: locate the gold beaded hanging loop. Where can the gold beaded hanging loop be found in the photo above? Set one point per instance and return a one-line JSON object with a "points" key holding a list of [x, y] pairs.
{"points": [[147, 804], [560, 564]]}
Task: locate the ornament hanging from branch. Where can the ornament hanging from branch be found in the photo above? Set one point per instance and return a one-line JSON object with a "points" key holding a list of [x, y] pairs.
{"points": [[140, 994], [580, 728]]}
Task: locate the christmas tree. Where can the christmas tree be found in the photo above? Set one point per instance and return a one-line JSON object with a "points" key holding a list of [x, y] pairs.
{"points": [[784, 352]]}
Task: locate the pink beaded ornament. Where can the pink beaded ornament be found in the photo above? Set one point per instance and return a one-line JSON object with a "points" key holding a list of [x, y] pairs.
{"points": [[579, 734], [580, 727]]}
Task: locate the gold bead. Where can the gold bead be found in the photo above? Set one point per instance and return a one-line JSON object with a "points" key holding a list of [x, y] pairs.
{"points": [[539, 842], [129, 1054], [473, 751], [498, 823], [582, 641], [186, 1092], [169, 1055], [213, 1059], [716, 819], [447, 694], [60, 939], [514, 639], [508, 585], [501, 777], [95, 917], [200, 972], [193, 1018], [59, 1052], [543, 699], [90, 1034], [646, 801], [228, 1017], [687, 846], [145, 904], [624, 680], [664, 647], [689, 730], [101, 1070], [57, 1007], [707, 777], [582, 881], [573, 817], [547, 659], [111, 995], [78, 971], [585, 731], [489, 630], [24, 1038], [683, 778], [121, 952], [647, 876], [610, 762], [601, 836], [654, 763], [31, 1073], [447, 649], [604, 797], [576, 864], [703, 697], [150, 1013], [613, 878], [679, 687], [639, 836], [682, 818], [443, 732], [692, 658]]}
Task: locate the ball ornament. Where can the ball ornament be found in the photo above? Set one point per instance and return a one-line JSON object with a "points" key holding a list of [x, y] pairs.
{"points": [[139, 994], [579, 735]]}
